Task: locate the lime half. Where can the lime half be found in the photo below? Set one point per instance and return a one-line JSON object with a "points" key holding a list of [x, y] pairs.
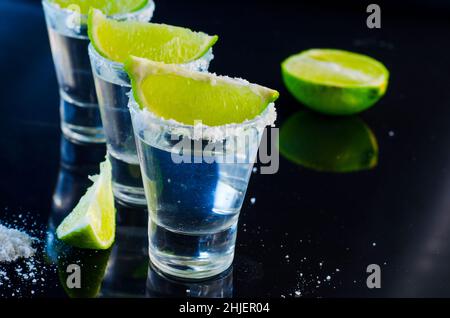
{"points": [[173, 92], [92, 223], [116, 40], [110, 7], [323, 143], [335, 82]]}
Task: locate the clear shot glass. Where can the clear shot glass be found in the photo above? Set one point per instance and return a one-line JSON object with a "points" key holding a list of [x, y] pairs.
{"points": [[67, 30], [113, 85], [195, 180]]}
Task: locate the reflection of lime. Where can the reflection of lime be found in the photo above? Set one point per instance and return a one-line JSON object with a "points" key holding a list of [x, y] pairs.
{"points": [[117, 40], [92, 224], [328, 144], [173, 92], [335, 82], [110, 7], [92, 270]]}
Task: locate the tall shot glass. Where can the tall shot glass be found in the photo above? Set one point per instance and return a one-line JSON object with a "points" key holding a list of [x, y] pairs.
{"points": [[195, 179], [67, 30], [113, 85]]}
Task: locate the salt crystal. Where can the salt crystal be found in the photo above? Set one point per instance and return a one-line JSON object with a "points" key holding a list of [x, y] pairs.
{"points": [[14, 244], [252, 200]]}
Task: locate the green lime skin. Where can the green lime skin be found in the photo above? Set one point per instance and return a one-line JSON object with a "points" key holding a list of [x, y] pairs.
{"points": [[335, 82], [332, 100], [328, 144]]}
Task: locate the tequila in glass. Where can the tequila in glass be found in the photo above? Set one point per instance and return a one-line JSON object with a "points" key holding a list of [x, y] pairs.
{"points": [[67, 30], [113, 85], [194, 193]]}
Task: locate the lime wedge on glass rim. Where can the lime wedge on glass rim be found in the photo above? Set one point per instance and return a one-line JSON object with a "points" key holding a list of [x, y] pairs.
{"points": [[116, 40], [92, 224], [110, 7], [335, 82], [173, 92]]}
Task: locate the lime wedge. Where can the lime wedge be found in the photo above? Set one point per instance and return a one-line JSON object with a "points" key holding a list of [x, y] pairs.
{"points": [[335, 82], [328, 144], [116, 40], [172, 92], [110, 7], [92, 223]]}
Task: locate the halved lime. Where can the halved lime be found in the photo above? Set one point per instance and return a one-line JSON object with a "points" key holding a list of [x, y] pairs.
{"points": [[172, 92], [322, 143], [92, 224], [116, 40], [335, 82], [109, 7]]}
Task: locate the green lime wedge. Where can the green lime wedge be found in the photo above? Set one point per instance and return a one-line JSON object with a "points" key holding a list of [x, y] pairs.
{"points": [[109, 7], [335, 82], [116, 40], [173, 92], [92, 223], [328, 144]]}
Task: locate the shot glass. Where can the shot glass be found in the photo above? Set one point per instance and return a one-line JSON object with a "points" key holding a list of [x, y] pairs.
{"points": [[113, 85], [195, 180], [67, 30]]}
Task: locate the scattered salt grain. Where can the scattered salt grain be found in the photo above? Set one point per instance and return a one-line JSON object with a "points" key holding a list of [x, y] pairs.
{"points": [[252, 200]]}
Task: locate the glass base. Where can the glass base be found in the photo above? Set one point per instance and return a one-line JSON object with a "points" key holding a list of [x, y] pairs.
{"points": [[190, 256], [81, 122], [160, 285], [130, 196], [189, 269]]}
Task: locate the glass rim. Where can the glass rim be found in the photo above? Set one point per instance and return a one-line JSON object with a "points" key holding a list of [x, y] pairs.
{"points": [[55, 6], [266, 118], [96, 54], [117, 65]]}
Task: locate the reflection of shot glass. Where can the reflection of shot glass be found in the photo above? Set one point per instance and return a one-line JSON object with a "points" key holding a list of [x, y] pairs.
{"points": [[67, 29], [162, 286], [129, 256], [195, 193], [112, 84]]}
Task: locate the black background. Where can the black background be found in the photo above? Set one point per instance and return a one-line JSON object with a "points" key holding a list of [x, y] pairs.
{"points": [[403, 205]]}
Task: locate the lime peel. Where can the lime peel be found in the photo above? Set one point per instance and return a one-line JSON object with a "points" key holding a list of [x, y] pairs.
{"points": [[91, 224], [110, 7], [335, 82], [116, 40], [172, 92]]}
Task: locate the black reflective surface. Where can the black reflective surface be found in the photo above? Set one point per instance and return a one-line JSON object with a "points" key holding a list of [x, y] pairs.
{"points": [[304, 225]]}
